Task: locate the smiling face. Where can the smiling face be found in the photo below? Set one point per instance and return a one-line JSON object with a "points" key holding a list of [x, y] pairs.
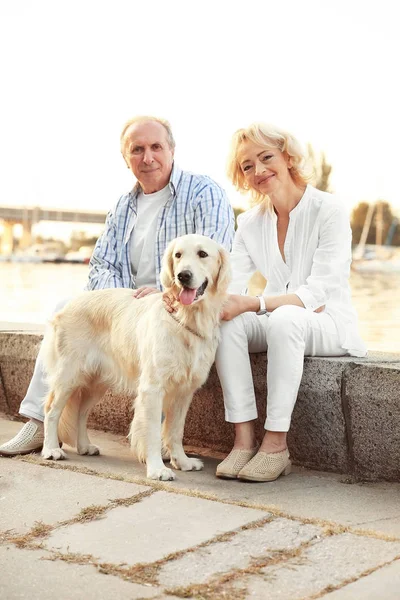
{"points": [[195, 265], [265, 169], [149, 155]]}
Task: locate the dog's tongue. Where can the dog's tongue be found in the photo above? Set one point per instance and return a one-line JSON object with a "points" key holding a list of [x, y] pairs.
{"points": [[187, 296]]}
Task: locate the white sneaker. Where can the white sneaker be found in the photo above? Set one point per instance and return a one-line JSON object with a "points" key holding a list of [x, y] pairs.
{"points": [[28, 439]]}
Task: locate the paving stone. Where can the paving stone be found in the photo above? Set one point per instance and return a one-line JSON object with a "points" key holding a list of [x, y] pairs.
{"points": [[150, 530], [310, 494], [388, 525], [330, 562], [156, 526], [303, 494], [383, 584], [368, 506], [24, 576], [237, 552], [30, 493]]}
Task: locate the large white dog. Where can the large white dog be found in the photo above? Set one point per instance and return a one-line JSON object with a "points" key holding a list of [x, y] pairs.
{"points": [[108, 339]]}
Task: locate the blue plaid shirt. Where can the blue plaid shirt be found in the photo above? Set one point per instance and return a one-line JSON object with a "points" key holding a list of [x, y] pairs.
{"points": [[198, 205]]}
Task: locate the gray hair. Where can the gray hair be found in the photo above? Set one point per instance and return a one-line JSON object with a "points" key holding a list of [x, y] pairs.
{"points": [[147, 119]]}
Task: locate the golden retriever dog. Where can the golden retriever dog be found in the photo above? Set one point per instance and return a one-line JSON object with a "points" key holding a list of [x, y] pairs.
{"points": [[108, 339]]}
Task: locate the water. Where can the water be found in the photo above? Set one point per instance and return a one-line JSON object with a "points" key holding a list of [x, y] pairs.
{"points": [[29, 293]]}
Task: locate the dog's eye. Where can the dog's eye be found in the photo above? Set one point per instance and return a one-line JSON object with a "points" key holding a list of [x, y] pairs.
{"points": [[202, 254], [178, 254]]}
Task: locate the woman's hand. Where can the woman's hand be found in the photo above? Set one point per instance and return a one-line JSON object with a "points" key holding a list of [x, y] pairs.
{"points": [[144, 291], [170, 302], [236, 305]]}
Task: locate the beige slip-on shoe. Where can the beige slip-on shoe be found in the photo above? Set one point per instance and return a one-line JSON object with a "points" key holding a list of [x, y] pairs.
{"points": [[29, 439], [234, 462], [266, 466]]}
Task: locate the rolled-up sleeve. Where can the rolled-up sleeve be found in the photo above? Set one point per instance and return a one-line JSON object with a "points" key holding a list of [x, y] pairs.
{"points": [[331, 261], [213, 214], [105, 267]]}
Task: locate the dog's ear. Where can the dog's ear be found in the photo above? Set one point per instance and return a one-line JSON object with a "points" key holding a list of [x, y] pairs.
{"points": [[167, 272], [224, 273]]}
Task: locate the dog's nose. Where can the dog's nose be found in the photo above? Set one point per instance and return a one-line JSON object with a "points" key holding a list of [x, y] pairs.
{"points": [[185, 277]]}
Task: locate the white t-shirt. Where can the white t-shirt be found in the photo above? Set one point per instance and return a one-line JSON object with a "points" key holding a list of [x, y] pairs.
{"points": [[143, 239]]}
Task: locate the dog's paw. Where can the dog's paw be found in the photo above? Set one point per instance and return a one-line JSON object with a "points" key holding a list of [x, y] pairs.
{"points": [[187, 464], [90, 449], [163, 474], [54, 454]]}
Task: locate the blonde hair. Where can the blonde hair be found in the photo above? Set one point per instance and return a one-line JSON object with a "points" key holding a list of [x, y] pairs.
{"points": [[146, 119], [269, 136]]}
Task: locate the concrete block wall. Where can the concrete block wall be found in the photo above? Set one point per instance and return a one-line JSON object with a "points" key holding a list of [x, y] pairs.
{"points": [[346, 419]]}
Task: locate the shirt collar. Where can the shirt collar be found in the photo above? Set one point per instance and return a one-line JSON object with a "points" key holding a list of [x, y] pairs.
{"points": [[174, 180], [299, 206], [302, 202]]}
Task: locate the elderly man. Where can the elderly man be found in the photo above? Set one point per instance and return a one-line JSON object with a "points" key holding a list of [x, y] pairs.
{"points": [[165, 203]]}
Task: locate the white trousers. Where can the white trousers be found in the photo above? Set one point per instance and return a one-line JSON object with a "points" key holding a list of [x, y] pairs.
{"points": [[289, 333], [32, 406]]}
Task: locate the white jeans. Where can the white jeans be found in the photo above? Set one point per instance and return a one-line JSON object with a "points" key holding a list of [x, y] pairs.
{"points": [[289, 333], [32, 405]]}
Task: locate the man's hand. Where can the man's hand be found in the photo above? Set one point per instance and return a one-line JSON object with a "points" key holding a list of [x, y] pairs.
{"points": [[320, 309], [236, 305], [144, 291]]}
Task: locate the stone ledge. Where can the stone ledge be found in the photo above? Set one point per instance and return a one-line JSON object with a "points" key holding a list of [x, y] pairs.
{"points": [[346, 419]]}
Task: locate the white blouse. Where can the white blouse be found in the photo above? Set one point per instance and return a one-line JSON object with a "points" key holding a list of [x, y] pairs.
{"points": [[317, 259]]}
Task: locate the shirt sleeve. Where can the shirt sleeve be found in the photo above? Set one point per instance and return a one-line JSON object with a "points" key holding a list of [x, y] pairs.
{"points": [[242, 264], [213, 215], [104, 265], [331, 261]]}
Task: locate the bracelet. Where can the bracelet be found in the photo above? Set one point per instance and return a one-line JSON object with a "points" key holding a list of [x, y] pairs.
{"points": [[263, 308]]}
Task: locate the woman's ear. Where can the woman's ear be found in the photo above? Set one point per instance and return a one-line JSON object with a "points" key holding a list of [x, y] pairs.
{"points": [[167, 268]]}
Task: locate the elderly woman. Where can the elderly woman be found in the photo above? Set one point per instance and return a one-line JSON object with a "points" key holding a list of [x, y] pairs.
{"points": [[299, 239]]}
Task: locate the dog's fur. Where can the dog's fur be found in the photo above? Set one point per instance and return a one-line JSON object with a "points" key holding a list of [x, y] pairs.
{"points": [[108, 339]]}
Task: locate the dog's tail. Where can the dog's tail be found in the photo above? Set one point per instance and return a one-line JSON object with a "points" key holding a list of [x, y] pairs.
{"points": [[137, 432]]}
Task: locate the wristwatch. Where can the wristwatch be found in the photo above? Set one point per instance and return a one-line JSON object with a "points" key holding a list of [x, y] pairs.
{"points": [[263, 308]]}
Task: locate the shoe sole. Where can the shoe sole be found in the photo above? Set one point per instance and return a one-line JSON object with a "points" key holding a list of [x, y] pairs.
{"points": [[225, 476], [21, 452], [286, 471]]}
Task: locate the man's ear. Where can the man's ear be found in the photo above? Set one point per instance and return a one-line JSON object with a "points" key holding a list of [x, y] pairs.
{"points": [[125, 161], [224, 273], [167, 268]]}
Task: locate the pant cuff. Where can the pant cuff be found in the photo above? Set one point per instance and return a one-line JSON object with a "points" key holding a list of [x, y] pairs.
{"points": [[235, 417], [277, 425], [32, 415]]}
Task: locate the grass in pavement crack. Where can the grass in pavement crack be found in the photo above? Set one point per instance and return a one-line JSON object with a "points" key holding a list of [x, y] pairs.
{"points": [[40, 530], [331, 528], [333, 588], [221, 586], [29, 540], [94, 512]]}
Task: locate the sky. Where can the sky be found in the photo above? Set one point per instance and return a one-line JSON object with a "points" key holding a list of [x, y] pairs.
{"points": [[73, 72]]}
